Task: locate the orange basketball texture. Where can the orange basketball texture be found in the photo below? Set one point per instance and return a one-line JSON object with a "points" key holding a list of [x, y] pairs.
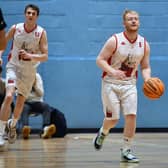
{"points": [[153, 88]]}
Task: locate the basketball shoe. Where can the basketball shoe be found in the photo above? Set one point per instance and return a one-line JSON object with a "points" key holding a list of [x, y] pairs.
{"points": [[12, 135], [98, 141], [48, 131], [26, 132], [127, 156]]}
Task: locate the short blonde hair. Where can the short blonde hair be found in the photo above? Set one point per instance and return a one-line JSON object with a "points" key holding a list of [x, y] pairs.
{"points": [[129, 11]]}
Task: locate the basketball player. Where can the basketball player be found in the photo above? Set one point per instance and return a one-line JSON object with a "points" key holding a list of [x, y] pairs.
{"points": [[28, 49], [2, 32], [119, 59]]}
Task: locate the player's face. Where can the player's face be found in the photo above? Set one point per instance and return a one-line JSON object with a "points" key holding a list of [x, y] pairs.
{"points": [[31, 15], [131, 22]]}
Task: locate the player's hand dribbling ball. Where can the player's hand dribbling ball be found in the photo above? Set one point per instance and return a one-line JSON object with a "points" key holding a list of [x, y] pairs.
{"points": [[153, 88]]}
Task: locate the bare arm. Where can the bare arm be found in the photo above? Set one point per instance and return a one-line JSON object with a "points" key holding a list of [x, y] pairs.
{"points": [[3, 42], [105, 54], [145, 64], [38, 86]]}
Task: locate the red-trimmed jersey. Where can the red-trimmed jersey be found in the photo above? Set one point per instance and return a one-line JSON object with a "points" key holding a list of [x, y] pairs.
{"points": [[27, 40], [127, 56]]}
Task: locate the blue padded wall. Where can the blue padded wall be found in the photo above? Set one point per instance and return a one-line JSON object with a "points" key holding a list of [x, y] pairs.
{"points": [[77, 29]]}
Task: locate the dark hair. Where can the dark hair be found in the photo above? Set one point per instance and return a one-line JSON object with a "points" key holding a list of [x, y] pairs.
{"points": [[34, 7]]}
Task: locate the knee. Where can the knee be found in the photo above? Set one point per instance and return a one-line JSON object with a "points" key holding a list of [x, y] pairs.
{"points": [[111, 123], [131, 117], [114, 122]]}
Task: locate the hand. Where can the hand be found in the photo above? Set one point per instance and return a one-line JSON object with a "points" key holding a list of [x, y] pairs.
{"points": [[118, 74], [23, 55]]}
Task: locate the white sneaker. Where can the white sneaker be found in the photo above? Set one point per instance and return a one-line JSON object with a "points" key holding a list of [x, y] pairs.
{"points": [[2, 141], [12, 132], [127, 156]]}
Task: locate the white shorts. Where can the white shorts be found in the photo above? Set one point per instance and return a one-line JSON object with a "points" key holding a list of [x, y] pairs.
{"points": [[20, 78], [118, 98]]}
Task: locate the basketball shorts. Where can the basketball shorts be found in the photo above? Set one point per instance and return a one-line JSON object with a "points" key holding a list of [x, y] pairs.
{"points": [[21, 79], [117, 98]]}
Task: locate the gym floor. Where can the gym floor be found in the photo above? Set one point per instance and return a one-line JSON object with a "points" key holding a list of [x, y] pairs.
{"points": [[77, 151]]}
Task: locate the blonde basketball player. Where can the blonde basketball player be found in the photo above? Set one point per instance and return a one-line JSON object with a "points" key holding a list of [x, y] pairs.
{"points": [[28, 49], [119, 59]]}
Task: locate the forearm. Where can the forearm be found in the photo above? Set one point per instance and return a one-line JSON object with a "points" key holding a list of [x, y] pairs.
{"points": [[146, 73], [39, 57], [105, 66]]}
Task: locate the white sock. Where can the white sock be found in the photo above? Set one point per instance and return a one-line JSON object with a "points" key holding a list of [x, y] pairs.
{"points": [[2, 127], [127, 143], [104, 131]]}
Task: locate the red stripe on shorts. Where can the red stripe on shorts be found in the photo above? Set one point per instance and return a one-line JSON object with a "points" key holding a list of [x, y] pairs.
{"points": [[108, 114]]}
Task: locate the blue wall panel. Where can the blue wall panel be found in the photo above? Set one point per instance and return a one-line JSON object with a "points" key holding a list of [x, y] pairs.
{"points": [[77, 29]]}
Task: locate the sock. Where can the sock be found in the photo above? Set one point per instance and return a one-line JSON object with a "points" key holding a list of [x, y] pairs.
{"points": [[127, 143], [104, 131], [14, 122], [2, 127]]}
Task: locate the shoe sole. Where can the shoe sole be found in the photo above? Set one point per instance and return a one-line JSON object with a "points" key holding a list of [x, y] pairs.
{"points": [[129, 161]]}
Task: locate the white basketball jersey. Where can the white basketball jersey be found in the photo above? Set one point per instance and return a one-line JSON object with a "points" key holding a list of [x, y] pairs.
{"points": [[127, 56], [28, 41]]}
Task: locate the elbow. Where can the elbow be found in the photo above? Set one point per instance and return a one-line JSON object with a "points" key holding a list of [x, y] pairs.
{"points": [[46, 58]]}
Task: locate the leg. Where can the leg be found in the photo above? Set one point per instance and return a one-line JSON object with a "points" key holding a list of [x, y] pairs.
{"points": [[111, 107], [130, 126], [25, 115], [129, 106], [43, 108], [5, 112], [18, 107], [103, 132], [48, 130], [5, 108], [46, 114], [12, 123], [24, 119]]}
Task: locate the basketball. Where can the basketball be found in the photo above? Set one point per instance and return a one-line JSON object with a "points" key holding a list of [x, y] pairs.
{"points": [[153, 88]]}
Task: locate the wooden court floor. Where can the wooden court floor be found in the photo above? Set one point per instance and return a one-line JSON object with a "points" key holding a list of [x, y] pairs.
{"points": [[77, 151]]}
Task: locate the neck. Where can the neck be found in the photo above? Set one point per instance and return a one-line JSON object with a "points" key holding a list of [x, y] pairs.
{"points": [[131, 36], [30, 26]]}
